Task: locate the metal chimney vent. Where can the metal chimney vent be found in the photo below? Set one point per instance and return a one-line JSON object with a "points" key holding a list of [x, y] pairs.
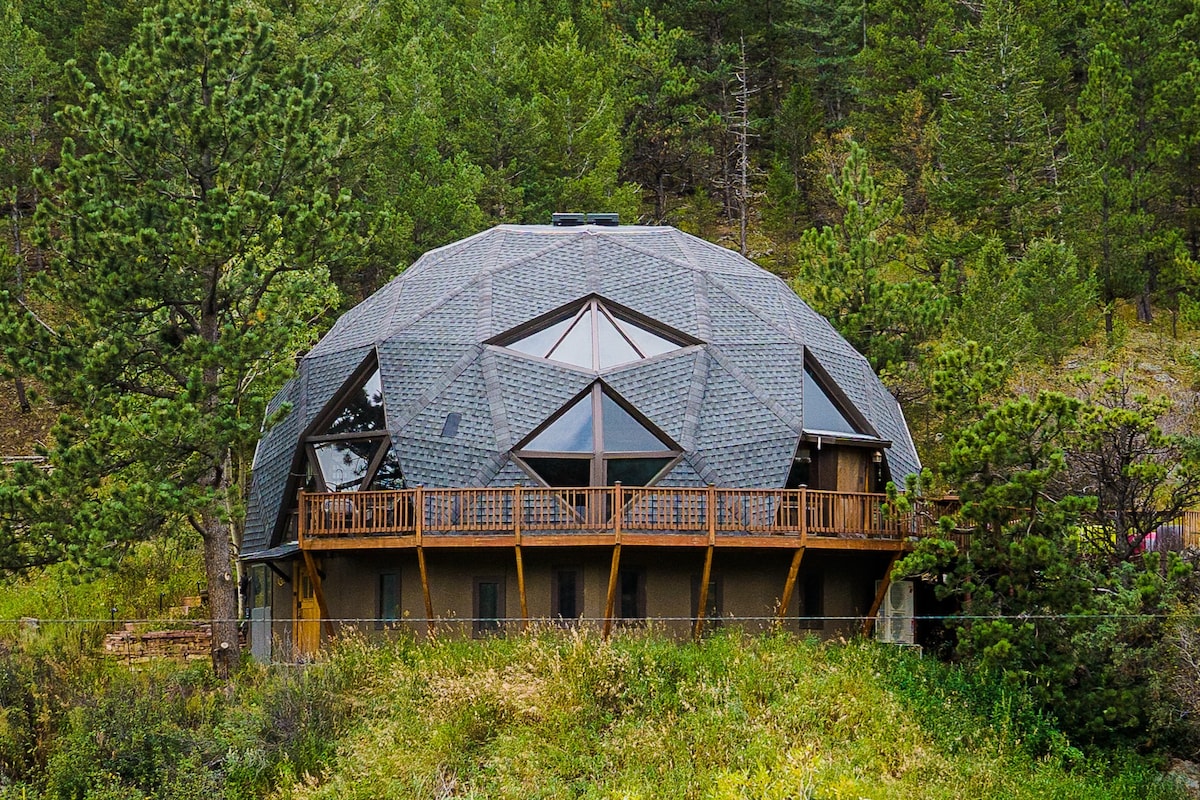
{"points": [[571, 219]]}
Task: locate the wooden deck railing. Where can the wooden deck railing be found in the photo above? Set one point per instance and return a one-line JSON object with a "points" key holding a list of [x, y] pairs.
{"points": [[661, 510]]}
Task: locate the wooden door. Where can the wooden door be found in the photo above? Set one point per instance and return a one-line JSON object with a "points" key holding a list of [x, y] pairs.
{"points": [[308, 617]]}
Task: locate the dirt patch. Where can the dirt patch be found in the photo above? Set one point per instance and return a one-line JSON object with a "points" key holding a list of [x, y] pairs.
{"points": [[20, 431]]}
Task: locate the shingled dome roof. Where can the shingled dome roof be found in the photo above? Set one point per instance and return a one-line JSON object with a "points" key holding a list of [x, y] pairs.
{"points": [[539, 353]]}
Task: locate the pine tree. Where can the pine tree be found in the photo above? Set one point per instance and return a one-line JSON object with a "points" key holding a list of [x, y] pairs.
{"points": [[665, 116], [992, 310], [857, 274], [188, 225], [998, 143], [27, 137], [1059, 297], [1107, 215]]}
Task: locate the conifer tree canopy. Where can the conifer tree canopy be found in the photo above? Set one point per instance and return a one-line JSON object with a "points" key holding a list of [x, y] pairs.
{"points": [[188, 229]]}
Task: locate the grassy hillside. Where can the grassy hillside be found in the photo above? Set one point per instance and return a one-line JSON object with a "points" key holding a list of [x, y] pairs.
{"points": [[551, 715]]}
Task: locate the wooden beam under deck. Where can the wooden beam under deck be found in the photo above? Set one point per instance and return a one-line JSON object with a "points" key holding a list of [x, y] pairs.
{"points": [[789, 586]]}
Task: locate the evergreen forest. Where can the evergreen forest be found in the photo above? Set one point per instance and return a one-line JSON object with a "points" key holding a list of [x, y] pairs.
{"points": [[996, 202]]}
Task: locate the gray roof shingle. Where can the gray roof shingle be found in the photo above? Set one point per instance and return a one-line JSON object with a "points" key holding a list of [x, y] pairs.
{"points": [[733, 402]]}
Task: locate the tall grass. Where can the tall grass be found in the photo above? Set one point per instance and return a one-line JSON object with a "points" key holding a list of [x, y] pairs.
{"points": [[554, 714]]}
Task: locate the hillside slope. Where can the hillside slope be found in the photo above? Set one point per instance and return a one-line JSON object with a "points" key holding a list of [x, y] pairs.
{"points": [[565, 715]]}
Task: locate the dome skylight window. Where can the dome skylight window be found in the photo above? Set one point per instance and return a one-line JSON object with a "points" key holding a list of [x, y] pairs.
{"points": [[593, 336], [597, 441]]}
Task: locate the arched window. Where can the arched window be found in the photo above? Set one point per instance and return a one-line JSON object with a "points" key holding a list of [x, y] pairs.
{"points": [[592, 335], [349, 448], [597, 440]]}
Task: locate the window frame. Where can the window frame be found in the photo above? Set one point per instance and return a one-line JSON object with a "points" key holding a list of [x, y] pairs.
{"points": [[715, 602], [598, 457], [383, 620], [616, 314], [333, 407], [638, 575]]}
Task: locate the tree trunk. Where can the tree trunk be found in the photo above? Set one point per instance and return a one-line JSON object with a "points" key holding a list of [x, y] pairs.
{"points": [[222, 592]]}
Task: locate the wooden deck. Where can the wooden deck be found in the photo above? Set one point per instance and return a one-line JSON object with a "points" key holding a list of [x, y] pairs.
{"points": [[654, 516]]}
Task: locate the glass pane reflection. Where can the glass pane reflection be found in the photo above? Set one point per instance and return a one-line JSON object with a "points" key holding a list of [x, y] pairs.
{"points": [[820, 413], [623, 433], [570, 433], [343, 465], [363, 410]]}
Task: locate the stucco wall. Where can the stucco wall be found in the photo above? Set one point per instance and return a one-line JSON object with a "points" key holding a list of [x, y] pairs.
{"points": [[749, 584]]}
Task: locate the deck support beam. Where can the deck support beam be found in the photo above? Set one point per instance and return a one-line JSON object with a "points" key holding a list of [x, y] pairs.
{"points": [[419, 531], [869, 622], [702, 600], [611, 598], [789, 587], [516, 515], [706, 573]]}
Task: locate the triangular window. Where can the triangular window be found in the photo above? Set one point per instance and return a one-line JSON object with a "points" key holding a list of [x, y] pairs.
{"points": [[349, 448], [597, 441], [361, 409], [821, 413], [593, 335]]}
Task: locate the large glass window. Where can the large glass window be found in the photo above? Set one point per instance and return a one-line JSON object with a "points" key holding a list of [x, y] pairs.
{"points": [[349, 448], [597, 441], [821, 413], [594, 336]]}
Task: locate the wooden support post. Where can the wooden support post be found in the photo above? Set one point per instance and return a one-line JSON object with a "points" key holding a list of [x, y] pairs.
{"points": [[712, 513], [301, 518], [789, 586], [610, 600], [314, 576], [706, 574], [520, 562], [705, 577], [803, 516], [419, 531], [618, 508], [869, 622]]}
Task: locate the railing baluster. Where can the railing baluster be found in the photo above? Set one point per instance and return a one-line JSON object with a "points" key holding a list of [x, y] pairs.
{"points": [[807, 512]]}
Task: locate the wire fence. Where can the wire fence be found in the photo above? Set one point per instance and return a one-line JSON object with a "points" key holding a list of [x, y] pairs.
{"points": [[38, 622]]}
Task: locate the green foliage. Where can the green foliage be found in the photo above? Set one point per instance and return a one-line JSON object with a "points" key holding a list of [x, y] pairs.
{"points": [[998, 150], [856, 271], [1043, 599], [664, 115], [1059, 297], [1036, 307], [189, 229], [554, 714]]}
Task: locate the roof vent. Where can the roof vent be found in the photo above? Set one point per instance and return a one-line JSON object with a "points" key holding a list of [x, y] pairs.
{"points": [[571, 219], [568, 220]]}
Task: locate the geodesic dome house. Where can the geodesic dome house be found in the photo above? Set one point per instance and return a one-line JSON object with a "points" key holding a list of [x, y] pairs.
{"points": [[495, 391]]}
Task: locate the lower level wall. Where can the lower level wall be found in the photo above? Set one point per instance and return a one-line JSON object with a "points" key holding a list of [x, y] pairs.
{"points": [[380, 591]]}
